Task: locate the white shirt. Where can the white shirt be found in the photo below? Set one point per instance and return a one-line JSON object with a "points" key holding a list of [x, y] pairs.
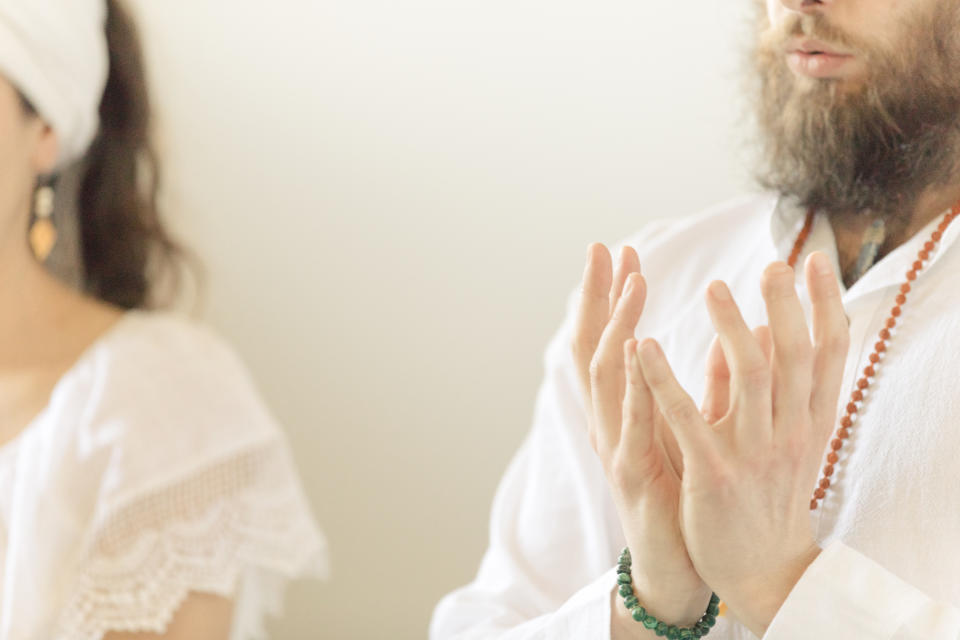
{"points": [[155, 470], [890, 524]]}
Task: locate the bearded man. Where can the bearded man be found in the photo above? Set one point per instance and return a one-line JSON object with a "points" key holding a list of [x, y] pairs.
{"points": [[809, 494]]}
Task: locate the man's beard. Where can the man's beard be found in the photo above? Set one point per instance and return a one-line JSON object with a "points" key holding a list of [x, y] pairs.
{"points": [[874, 147]]}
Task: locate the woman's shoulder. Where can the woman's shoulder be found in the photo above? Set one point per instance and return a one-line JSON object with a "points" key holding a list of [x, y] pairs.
{"points": [[144, 344], [157, 381], [162, 465]]}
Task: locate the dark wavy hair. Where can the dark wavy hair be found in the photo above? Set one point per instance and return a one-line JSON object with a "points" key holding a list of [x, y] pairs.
{"points": [[123, 243]]}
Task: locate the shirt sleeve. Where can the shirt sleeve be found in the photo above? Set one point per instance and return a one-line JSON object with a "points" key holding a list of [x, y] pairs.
{"points": [[177, 479], [844, 594], [554, 531], [547, 570]]}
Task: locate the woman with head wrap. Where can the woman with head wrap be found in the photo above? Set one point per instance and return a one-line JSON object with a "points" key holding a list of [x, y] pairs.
{"points": [[144, 488]]}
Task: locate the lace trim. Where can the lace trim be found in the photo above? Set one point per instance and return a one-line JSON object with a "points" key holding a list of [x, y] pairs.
{"points": [[244, 517]]}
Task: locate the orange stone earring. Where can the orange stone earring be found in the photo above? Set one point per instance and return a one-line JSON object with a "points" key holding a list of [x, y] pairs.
{"points": [[43, 233]]}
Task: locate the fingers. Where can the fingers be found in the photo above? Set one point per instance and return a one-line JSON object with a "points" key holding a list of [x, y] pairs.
{"points": [[676, 406], [831, 338], [637, 435], [593, 312], [664, 435], [792, 363], [716, 398], [749, 368], [628, 263], [607, 381], [765, 340]]}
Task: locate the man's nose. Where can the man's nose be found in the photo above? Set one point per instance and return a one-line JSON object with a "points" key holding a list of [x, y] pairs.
{"points": [[806, 6]]}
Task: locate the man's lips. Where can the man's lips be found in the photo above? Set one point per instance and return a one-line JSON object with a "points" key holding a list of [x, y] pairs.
{"points": [[817, 59], [810, 46]]}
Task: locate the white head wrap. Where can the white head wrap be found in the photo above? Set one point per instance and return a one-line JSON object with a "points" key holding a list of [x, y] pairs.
{"points": [[55, 53]]}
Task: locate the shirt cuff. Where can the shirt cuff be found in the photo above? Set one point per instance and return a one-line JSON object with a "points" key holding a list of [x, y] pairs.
{"points": [[587, 613], [844, 594], [472, 614]]}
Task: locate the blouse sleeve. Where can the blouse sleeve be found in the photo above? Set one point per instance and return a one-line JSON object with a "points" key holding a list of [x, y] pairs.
{"points": [[195, 490], [845, 594]]}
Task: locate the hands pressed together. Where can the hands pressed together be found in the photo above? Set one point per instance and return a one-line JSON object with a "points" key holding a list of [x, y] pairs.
{"points": [[714, 498]]}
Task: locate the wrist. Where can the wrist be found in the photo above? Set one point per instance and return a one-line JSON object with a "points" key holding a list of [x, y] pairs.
{"points": [[624, 627], [756, 603], [622, 624], [670, 602]]}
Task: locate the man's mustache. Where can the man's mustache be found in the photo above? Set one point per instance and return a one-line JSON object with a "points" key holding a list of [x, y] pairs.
{"points": [[815, 26]]}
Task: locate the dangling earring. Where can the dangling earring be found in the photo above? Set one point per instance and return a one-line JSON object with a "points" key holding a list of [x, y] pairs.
{"points": [[43, 233]]}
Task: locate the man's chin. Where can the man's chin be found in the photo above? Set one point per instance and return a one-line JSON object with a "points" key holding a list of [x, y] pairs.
{"points": [[809, 88]]}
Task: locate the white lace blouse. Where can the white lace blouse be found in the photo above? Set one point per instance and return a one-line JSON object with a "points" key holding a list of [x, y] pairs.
{"points": [[155, 470]]}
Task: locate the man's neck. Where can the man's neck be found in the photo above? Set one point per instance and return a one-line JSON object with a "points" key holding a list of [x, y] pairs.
{"points": [[850, 229]]}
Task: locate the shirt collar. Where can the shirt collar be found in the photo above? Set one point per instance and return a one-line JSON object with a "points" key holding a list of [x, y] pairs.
{"points": [[787, 220]]}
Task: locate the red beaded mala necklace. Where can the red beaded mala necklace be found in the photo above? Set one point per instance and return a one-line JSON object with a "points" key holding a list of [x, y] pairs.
{"points": [[856, 398]]}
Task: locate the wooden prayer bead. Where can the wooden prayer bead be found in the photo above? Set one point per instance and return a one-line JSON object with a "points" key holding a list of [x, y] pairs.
{"points": [[846, 422]]}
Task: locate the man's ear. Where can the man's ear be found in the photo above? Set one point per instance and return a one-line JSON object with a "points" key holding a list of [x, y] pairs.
{"points": [[46, 150]]}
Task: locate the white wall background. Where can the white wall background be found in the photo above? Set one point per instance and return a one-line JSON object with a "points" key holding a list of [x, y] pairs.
{"points": [[392, 199]]}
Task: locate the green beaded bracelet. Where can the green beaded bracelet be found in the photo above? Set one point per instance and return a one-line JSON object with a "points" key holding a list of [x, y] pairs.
{"points": [[672, 632]]}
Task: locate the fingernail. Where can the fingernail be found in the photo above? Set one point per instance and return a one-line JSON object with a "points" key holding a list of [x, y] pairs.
{"points": [[719, 291], [648, 350], [821, 264], [779, 268]]}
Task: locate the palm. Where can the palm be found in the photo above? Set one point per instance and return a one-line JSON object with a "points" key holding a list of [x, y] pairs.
{"points": [[637, 449]]}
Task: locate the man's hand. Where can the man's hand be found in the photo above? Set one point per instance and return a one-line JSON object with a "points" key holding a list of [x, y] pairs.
{"points": [[751, 469], [639, 454]]}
